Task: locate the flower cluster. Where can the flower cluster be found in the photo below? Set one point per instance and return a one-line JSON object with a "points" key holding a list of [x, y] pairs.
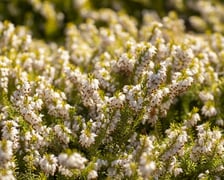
{"points": [[116, 99]]}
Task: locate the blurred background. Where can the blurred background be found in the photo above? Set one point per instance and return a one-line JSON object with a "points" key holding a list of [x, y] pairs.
{"points": [[48, 18]]}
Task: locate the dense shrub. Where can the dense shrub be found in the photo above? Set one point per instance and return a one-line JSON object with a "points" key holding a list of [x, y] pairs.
{"points": [[111, 89]]}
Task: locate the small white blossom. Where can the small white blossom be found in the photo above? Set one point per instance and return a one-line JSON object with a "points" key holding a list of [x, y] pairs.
{"points": [[48, 164], [209, 110], [6, 150], [74, 160], [8, 175], [92, 175], [206, 96], [87, 138], [148, 168]]}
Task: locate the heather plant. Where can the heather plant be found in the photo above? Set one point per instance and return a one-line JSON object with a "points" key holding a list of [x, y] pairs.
{"points": [[116, 96]]}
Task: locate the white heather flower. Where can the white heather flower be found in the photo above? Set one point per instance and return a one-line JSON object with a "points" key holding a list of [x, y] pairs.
{"points": [[62, 133], [64, 171], [10, 132], [194, 118], [174, 167], [117, 102], [206, 96], [220, 122], [100, 163], [182, 138], [133, 95], [33, 140], [128, 169], [155, 79], [31, 116], [107, 36], [177, 171], [74, 160], [37, 105], [163, 51], [156, 98], [48, 164], [183, 55], [125, 63], [151, 116], [201, 128], [26, 88], [92, 175], [209, 110], [62, 158], [187, 82], [177, 139], [201, 176], [78, 4], [94, 84], [64, 54], [6, 151], [193, 70], [147, 142], [147, 168], [172, 134], [87, 138], [207, 142], [7, 175]]}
